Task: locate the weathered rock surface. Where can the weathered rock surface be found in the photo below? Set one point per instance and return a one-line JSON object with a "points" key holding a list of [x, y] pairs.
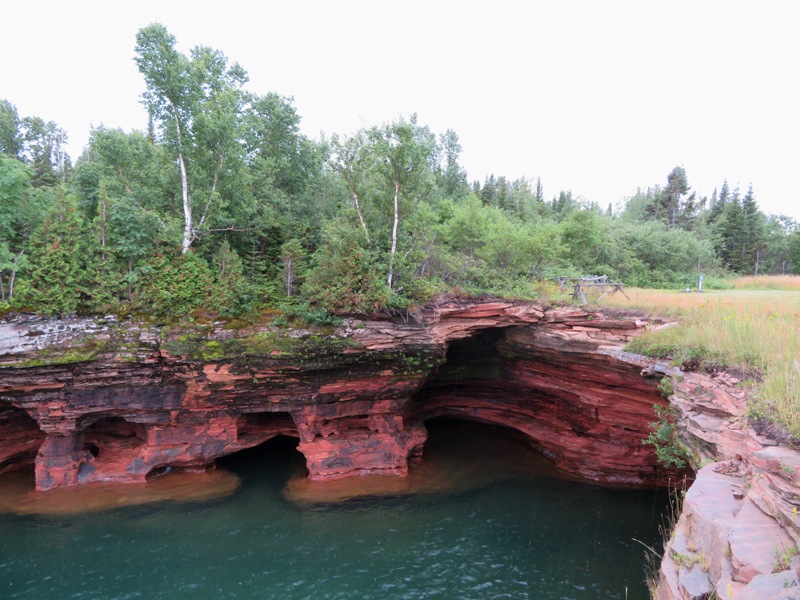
{"points": [[108, 400], [92, 400], [738, 530]]}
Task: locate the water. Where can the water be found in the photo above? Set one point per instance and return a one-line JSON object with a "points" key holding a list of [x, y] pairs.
{"points": [[504, 528]]}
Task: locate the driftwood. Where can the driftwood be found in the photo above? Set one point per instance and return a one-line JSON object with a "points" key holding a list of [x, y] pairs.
{"points": [[597, 283]]}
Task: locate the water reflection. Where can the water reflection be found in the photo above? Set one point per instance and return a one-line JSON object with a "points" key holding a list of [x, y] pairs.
{"points": [[488, 520], [458, 456], [17, 494]]}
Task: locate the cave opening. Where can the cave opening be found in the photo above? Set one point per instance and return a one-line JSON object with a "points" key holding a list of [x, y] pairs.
{"points": [[109, 439], [467, 453], [584, 411], [20, 439], [109, 444], [276, 458]]}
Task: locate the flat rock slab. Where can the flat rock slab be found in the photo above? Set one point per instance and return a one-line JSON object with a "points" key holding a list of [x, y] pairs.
{"points": [[755, 540], [777, 586], [695, 584], [711, 495]]}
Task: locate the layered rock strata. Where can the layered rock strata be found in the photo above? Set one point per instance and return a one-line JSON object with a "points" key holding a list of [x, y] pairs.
{"points": [[108, 400], [737, 534]]}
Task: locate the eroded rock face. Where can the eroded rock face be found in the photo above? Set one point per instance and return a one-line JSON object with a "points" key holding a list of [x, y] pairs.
{"points": [[738, 532], [132, 400], [91, 400]]}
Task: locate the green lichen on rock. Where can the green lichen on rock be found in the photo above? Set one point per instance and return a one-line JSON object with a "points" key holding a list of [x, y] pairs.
{"points": [[63, 354], [207, 343]]}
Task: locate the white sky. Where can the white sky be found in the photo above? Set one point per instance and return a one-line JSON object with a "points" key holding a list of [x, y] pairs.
{"points": [[599, 97]]}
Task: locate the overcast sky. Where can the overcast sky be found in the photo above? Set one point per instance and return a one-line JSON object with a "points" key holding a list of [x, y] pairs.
{"points": [[598, 97]]}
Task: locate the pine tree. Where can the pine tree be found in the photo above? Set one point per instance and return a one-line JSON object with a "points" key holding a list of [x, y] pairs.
{"points": [[54, 282], [754, 238], [231, 294], [731, 231], [718, 203]]}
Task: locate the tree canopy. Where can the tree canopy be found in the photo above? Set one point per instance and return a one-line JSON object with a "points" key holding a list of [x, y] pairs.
{"points": [[223, 204]]}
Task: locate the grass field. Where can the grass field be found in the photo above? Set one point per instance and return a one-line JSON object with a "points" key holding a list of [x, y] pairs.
{"points": [[753, 327]]}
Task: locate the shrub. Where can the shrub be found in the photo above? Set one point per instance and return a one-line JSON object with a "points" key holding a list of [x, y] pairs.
{"points": [[174, 285]]}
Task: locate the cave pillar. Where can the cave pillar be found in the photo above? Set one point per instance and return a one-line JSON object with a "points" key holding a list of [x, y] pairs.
{"points": [[372, 446], [59, 459]]}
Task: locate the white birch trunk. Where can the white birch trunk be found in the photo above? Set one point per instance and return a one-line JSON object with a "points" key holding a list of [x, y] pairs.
{"points": [[390, 278], [360, 216], [188, 236]]}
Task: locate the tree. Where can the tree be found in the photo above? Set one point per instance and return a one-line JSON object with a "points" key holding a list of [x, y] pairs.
{"points": [[292, 258], [352, 160], [673, 205], [232, 293], [779, 230], [793, 251], [15, 221], [274, 146], [717, 205], [345, 275], [197, 102], [10, 142], [43, 149], [54, 281], [134, 234], [754, 239], [404, 150], [451, 176], [730, 231]]}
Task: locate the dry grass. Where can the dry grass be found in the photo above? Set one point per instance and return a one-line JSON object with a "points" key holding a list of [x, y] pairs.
{"points": [[768, 282], [755, 330]]}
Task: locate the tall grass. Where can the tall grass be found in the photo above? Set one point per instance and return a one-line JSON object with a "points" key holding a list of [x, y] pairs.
{"points": [[768, 282], [754, 330]]}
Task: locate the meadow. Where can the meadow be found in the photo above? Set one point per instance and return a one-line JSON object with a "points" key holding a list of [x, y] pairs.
{"points": [[753, 327]]}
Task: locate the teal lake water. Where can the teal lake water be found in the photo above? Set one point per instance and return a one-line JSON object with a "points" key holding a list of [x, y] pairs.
{"points": [[503, 528]]}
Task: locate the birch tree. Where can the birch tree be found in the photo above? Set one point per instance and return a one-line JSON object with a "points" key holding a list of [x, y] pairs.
{"points": [[405, 152], [196, 101]]}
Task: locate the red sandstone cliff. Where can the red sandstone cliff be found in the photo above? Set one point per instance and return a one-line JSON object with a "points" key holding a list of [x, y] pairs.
{"points": [[131, 400], [102, 400]]}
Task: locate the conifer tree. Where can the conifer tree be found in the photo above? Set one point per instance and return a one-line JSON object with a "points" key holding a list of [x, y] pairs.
{"points": [[54, 281]]}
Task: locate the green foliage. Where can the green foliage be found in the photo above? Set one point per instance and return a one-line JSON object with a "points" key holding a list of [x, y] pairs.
{"points": [[666, 387], [55, 277], [382, 218], [345, 276], [783, 558], [174, 285], [231, 293], [664, 438]]}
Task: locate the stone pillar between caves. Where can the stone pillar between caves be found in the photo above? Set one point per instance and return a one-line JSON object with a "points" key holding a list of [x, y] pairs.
{"points": [[59, 459], [383, 449]]}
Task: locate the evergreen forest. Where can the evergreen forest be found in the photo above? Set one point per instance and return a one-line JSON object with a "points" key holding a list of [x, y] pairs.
{"points": [[222, 204]]}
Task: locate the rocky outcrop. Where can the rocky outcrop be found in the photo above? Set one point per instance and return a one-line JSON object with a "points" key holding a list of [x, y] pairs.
{"points": [[90, 400], [738, 531], [111, 400]]}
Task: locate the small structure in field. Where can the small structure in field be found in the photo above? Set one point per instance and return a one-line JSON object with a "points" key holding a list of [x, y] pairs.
{"points": [[590, 284]]}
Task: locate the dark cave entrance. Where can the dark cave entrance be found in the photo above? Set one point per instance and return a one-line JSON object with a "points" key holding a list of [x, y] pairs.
{"points": [[20, 439], [276, 458], [583, 410], [269, 441], [474, 438]]}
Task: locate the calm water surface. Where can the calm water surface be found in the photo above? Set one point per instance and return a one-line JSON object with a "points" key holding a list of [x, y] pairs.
{"points": [[504, 528]]}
